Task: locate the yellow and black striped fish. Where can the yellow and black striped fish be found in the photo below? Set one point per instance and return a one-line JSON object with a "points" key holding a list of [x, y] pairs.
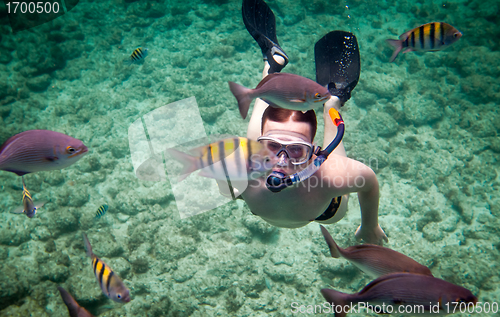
{"points": [[138, 55], [432, 36], [235, 158], [28, 208], [111, 285], [101, 211]]}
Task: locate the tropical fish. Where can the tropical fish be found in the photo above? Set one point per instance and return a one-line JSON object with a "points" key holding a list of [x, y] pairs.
{"points": [[74, 309], [399, 290], [432, 36], [111, 285], [235, 157], [282, 90], [28, 208], [101, 211], [375, 260], [39, 150], [138, 55]]}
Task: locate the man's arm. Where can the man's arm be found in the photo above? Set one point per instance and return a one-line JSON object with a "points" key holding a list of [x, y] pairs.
{"points": [[368, 196]]}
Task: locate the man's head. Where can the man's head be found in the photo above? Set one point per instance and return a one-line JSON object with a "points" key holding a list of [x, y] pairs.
{"points": [[290, 120], [289, 126]]}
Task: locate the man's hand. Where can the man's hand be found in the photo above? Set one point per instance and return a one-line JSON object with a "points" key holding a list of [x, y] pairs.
{"points": [[374, 236]]}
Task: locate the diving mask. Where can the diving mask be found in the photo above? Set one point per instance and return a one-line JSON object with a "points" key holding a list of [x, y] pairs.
{"points": [[298, 151]]}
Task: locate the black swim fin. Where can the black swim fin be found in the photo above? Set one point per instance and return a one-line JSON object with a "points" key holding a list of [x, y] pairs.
{"points": [[261, 24], [337, 63]]}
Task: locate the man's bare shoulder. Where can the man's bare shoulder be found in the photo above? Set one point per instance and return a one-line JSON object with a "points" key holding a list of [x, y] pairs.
{"points": [[338, 164]]}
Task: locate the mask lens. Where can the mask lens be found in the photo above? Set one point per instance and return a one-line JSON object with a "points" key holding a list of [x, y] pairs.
{"points": [[296, 151], [274, 147]]}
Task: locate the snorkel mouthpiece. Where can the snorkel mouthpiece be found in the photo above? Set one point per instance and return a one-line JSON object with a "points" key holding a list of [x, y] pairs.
{"points": [[277, 181]]}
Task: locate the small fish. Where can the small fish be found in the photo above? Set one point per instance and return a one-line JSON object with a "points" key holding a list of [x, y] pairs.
{"points": [[74, 309], [282, 90], [111, 285], [137, 55], [431, 294], [432, 36], [375, 260], [241, 158], [28, 208], [101, 211], [40, 150]]}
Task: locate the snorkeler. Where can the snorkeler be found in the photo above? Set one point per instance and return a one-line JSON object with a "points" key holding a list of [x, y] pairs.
{"points": [[323, 196]]}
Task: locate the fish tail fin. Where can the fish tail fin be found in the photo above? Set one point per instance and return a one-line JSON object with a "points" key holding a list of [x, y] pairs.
{"points": [[70, 302], [86, 243], [334, 248], [18, 210], [242, 95], [398, 46], [188, 162], [336, 298]]}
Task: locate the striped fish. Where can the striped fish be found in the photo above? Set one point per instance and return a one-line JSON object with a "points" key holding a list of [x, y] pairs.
{"points": [[101, 211], [235, 158], [432, 36], [138, 55], [111, 285], [28, 208], [40, 150], [74, 309]]}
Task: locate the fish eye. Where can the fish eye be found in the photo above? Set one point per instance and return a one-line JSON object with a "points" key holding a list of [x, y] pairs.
{"points": [[118, 296], [70, 149], [317, 95]]}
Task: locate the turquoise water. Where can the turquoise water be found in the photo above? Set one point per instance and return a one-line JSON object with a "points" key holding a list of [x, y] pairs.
{"points": [[428, 124]]}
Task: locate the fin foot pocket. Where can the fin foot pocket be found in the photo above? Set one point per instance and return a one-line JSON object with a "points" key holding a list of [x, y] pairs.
{"points": [[261, 24]]}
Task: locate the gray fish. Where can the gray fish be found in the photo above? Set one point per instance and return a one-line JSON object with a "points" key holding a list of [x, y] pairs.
{"points": [[74, 309], [427, 294], [111, 285], [375, 260], [40, 150], [28, 208], [282, 90]]}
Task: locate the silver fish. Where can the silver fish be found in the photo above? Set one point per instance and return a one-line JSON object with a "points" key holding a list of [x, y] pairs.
{"points": [[28, 208], [375, 260], [40, 150], [111, 285], [235, 157], [282, 90], [432, 36], [427, 294], [74, 309]]}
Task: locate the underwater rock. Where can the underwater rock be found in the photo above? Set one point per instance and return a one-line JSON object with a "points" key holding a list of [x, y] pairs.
{"points": [[5, 56], [234, 299], [38, 84], [259, 227], [55, 273], [379, 123], [422, 110], [432, 232], [364, 99], [183, 274]]}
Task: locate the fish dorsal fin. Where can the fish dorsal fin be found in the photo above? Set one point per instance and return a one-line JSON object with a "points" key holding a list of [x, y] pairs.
{"points": [[267, 78], [380, 280]]}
